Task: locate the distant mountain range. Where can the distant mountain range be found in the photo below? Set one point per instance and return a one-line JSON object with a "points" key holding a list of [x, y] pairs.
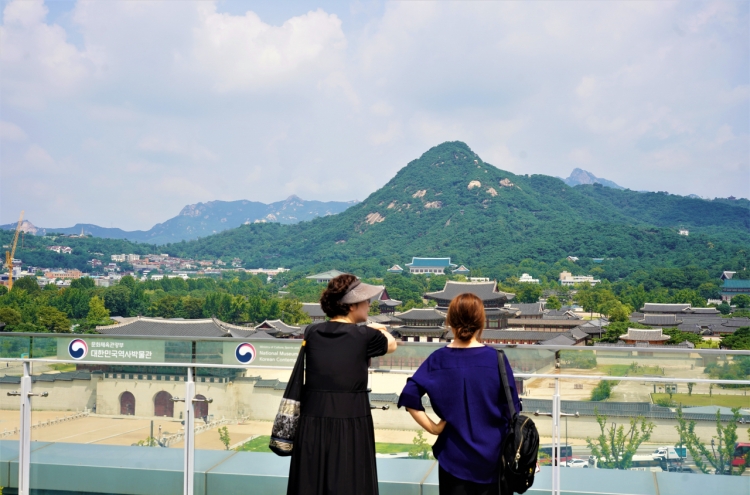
{"points": [[449, 202], [204, 219], [579, 176]]}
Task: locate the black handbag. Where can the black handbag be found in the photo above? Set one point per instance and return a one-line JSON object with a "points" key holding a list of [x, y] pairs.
{"points": [[520, 447], [287, 418]]}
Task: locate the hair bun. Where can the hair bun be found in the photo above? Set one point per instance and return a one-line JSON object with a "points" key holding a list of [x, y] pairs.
{"points": [[330, 300]]}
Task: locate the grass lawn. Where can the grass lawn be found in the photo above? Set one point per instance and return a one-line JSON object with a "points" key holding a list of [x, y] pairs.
{"points": [[257, 444], [260, 444], [706, 400], [392, 448]]}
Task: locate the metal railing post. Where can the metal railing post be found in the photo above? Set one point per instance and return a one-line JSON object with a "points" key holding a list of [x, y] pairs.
{"points": [[24, 441], [556, 439], [189, 471]]}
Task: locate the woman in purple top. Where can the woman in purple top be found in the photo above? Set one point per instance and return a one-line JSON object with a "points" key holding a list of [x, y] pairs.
{"points": [[463, 383]]}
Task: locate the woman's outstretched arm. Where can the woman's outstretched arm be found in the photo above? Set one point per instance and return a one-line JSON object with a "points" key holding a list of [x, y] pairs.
{"points": [[425, 422]]}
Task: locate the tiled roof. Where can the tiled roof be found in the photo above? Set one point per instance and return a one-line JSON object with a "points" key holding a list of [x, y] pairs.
{"points": [[425, 314], [414, 331], [528, 308], [559, 314], [664, 308], [662, 320], [520, 335], [559, 340], [486, 291], [637, 334], [384, 319], [272, 326], [167, 328], [260, 334], [735, 283], [313, 310]]}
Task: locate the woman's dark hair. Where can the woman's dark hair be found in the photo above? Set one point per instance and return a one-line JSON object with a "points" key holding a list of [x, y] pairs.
{"points": [[466, 316], [330, 301]]}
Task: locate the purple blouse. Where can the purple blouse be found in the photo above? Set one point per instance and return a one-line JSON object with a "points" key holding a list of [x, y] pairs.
{"points": [[464, 389]]}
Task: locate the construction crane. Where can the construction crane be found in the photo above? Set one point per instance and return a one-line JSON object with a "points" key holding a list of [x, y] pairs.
{"points": [[9, 254]]}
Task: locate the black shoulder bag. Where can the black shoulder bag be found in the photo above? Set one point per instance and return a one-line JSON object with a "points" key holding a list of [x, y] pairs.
{"points": [[287, 418], [520, 447]]}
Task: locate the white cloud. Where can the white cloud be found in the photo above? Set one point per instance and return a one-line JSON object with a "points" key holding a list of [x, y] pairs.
{"points": [[330, 104], [11, 132]]}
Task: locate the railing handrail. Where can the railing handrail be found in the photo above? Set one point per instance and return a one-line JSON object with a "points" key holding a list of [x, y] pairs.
{"points": [[676, 350]]}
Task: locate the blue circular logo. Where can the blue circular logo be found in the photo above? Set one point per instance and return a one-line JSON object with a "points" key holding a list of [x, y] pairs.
{"points": [[245, 353], [78, 349]]}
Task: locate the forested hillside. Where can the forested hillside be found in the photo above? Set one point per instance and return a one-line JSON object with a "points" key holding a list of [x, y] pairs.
{"points": [[449, 202]]}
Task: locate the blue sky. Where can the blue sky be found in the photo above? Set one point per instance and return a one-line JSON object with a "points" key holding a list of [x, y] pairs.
{"points": [[120, 113]]}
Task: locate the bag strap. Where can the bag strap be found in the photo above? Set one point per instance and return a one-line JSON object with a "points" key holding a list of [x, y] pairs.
{"points": [[505, 384]]}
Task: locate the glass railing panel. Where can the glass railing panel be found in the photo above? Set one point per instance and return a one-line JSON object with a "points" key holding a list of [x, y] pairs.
{"points": [[673, 445], [10, 378], [14, 347], [234, 409], [98, 411]]}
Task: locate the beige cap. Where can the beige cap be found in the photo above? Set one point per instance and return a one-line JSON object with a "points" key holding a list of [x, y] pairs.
{"points": [[359, 291]]}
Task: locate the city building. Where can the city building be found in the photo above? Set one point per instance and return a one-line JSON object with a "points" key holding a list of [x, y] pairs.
{"points": [[568, 279], [61, 249], [63, 274], [118, 258], [395, 269], [527, 279], [733, 287], [432, 266]]}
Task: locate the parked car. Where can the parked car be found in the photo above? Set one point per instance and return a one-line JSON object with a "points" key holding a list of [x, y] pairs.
{"points": [[577, 463]]}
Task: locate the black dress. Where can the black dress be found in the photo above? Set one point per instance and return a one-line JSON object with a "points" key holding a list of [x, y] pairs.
{"points": [[334, 451]]}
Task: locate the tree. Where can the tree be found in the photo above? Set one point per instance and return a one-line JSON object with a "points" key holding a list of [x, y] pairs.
{"points": [[11, 317], [690, 386], [601, 391], [53, 320], [553, 303], [722, 445], [614, 448], [421, 448], [529, 293], [739, 340], [28, 284], [98, 314], [374, 308], [224, 437], [615, 311], [724, 308], [741, 301]]}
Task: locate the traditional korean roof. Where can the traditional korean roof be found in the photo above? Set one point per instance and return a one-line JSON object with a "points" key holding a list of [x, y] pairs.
{"points": [[542, 322], [417, 331], [461, 270], [528, 308], [260, 335], [652, 335], [663, 308], [313, 310], [395, 269], [389, 302], [160, 327], [559, 340], [385, 319], [328, 275], [705, 311], [736, 283], [668, 320], [272, 326], [426, 314], [559, 314], [431, 262], [486, 291]]}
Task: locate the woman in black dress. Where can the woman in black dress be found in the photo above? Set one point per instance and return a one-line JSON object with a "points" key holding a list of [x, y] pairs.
{"points": [[334, 451]]}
